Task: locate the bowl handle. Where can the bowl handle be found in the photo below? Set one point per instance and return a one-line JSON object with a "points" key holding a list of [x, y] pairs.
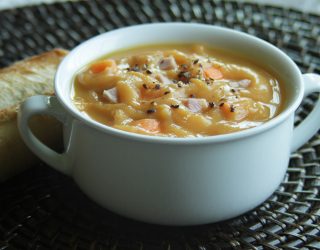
{"points": [[45, 105], [311, 124]]}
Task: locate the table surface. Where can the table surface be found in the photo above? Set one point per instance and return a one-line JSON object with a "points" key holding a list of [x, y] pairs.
{"points": [[312, 6]]}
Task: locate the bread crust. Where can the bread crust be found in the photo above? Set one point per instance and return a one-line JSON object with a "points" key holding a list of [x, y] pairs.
{"points": [[26, 78]]}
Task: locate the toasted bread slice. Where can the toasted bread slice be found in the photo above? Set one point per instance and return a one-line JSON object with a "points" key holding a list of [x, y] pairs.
{"points": [[32, 76]]}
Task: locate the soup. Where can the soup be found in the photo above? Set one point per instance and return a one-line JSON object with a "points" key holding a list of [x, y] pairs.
{"points": [[177, 91]]}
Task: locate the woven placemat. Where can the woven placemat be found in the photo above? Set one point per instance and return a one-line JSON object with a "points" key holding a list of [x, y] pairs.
{"points": [[42, 209]]}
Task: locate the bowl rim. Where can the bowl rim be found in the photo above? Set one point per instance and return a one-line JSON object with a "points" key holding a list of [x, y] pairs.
{"points": [[284, 114]]}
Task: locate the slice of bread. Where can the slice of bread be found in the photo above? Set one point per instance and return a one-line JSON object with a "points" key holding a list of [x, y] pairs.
{"points": [[32, 76]]}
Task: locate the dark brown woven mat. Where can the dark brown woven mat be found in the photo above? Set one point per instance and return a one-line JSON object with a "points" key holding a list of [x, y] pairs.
{"points": [[41, 209]]}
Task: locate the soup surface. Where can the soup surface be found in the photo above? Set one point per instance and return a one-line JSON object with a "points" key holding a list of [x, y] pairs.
{"points": [[177, 91]]}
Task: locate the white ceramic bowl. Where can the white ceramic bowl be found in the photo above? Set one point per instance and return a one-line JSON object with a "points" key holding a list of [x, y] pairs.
{"points": [[174, 181]]}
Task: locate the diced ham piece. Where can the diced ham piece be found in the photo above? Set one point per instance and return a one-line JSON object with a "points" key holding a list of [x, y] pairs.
{"points": [[196, 104], [167, 63], [163, 79], [111, 95]]}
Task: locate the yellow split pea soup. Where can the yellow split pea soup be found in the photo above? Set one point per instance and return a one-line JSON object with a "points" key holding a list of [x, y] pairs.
{"points": [[177, 91]]}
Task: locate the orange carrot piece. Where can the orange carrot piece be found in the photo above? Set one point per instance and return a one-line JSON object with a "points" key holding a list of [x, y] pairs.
{"points": [[102, 65], [149, 125], [213, 73]]}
